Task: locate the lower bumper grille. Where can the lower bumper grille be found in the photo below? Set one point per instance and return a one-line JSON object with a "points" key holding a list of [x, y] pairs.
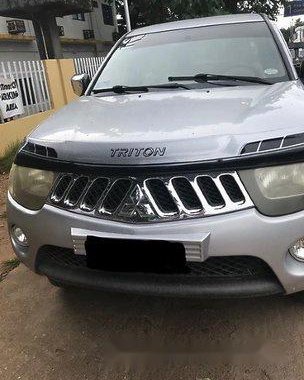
{"points": [[214, 267], [219, 277]]}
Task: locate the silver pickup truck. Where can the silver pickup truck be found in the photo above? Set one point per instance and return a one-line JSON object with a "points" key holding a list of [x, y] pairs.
{"points": [[179, 171]]}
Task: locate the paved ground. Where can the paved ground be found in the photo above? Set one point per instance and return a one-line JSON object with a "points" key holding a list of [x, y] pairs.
{"points": [[50, 334]]}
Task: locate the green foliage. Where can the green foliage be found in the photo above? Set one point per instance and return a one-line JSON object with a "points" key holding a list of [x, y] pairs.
{"points": [[147, 12], [182, 9], [7, 267], [286, 33], [6, 161], [270, 7]]}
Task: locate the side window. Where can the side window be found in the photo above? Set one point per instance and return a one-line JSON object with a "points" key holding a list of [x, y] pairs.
{"points": [[107, 12]]}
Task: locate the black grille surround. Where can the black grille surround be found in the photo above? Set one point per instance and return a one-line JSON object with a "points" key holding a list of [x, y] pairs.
{"points": [[226, 276], [150, 199]]}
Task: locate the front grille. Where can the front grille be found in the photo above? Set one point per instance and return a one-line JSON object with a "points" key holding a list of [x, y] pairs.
{"points": [[214, 267], [150, 199]]}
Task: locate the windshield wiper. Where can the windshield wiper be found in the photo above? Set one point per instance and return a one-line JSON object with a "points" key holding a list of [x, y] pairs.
{"points": [[125, 89], [213, 77], [170, 85], [122, 89]]}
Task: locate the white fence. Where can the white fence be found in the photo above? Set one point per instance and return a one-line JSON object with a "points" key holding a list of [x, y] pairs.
{"points": [[88, 65], [32, 84]]}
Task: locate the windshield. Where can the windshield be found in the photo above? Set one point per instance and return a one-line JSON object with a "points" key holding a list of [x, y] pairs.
{"points": [[246, 49]]}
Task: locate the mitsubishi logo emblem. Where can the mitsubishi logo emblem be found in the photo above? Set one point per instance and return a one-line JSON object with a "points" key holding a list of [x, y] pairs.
{"points": [[136, 206]]}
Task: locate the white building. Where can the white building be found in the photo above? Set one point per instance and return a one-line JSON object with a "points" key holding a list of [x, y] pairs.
{"points": [[82, 35], [299, 34]]}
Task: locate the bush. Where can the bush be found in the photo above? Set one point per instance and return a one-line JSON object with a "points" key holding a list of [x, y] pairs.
{"points": [[6, 161], [7, 267]]}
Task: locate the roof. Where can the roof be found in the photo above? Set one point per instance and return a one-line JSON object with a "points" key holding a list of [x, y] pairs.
{"points": [[197, 22]]}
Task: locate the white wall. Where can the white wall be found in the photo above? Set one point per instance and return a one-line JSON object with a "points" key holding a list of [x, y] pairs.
{"points": [[12, 50], [28, 25], [18, 51]]}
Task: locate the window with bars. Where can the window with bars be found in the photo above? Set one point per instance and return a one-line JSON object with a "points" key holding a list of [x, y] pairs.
{"points": [[79, 16], [88, 34], [107, 12], [61, 30]]}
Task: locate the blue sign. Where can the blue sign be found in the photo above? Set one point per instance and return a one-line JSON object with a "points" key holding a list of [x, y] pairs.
{"points": [[294, 8]]}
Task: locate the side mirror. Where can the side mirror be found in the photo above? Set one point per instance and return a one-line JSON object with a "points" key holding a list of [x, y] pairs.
{"points": [[80, 83]]}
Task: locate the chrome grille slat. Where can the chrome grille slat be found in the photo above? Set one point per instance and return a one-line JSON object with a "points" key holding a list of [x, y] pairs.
{"points": [[184, 191], [162, 196], [210, 190], [75, 192], [61, 188], [151, 199], [94, 194], [232, 189], [115, 196], [227, 200]]}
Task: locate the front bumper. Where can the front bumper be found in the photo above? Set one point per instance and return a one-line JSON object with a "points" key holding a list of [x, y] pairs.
{"points": [[215, 278], [244, 233]]}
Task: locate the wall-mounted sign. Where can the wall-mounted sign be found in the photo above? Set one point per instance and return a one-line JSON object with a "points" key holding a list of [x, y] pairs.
{"points": [[294, 8], [10, 98]]}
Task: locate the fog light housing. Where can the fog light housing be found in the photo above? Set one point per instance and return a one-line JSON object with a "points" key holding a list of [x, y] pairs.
{"points": [[19, 236], [297, 250]]}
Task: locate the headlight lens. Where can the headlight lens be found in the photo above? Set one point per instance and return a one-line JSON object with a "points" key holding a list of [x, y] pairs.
{"points": [[281, 181], [30, 187], [277, 190]]}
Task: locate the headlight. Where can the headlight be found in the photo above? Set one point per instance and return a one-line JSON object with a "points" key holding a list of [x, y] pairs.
{"points": [[277, 190], [30, 187]]}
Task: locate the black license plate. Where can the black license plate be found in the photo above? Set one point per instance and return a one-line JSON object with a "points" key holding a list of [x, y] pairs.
{"points": [[128, 255]]}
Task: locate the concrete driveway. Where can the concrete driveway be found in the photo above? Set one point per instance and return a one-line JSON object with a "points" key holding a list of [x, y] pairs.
{"points": [[48, 333]]}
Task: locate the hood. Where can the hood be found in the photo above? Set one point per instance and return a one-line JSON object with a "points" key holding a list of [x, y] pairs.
{"points": [[172, 126]]}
